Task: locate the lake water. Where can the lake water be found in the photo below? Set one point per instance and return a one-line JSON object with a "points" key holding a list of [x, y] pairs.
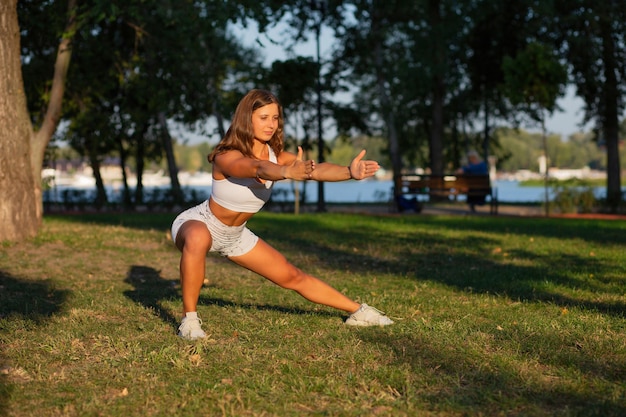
{"points": [[370, 191], [381, 191], [373, 191]]}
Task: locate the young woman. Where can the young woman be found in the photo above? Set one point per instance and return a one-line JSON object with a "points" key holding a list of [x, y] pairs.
{"points": [[246, 163]]}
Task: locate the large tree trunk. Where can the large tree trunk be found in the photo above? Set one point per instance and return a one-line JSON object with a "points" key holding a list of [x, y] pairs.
{"points": [[22, 149], [610, 123], [19, 215]]}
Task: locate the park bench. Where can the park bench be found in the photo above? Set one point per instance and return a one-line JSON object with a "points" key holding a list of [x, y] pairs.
{"points": [[411, 191]]}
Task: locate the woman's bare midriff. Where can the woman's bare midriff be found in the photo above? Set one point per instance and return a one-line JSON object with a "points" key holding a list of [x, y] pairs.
{"points": [[228, 217]]}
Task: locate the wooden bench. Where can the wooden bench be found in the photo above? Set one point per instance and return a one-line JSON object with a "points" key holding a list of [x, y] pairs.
{"points": [[410, 191]]}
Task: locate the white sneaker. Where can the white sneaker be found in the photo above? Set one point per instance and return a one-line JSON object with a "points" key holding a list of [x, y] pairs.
{"points": [[189, 328], [368, 316]]}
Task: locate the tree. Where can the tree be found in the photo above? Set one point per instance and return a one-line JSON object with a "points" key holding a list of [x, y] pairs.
{"points": [[136, 69], [497, 30], [406, 60], [593, 37], [373, 55], [22, 145], [308, 17], [534, 80], [295, 82]]}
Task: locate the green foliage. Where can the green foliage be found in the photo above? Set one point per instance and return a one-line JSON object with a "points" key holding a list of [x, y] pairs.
{"points": [[135, 64], [343, 151], [294, 81], [193, 158], [535, 79], [573, 196], [494, 316], [41, 25], [520, 149]]}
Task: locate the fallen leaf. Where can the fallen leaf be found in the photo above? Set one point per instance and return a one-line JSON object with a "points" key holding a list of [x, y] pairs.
{"points": [[195, 359]]}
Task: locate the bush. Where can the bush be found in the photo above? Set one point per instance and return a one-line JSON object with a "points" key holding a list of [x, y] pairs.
{"points": [[573, 196]]}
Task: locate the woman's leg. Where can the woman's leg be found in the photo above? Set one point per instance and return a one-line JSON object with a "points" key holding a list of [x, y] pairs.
{"points": [[194, 241], [271, 264]]}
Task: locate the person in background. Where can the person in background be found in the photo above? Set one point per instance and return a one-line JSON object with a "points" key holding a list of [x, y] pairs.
{"points": [[475, 166], [246, 164]]}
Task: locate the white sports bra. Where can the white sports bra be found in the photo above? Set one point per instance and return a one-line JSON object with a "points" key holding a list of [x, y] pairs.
{"points": [[245, 195]]}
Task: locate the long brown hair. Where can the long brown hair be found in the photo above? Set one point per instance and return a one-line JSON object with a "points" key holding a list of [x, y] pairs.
{"points": [[240, 135]]}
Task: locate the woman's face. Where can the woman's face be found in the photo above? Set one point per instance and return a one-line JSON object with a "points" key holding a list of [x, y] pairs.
{"points": [[265, 122]]}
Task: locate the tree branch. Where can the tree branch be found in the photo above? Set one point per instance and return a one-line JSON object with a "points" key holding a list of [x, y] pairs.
{"points": [[61, 66]]}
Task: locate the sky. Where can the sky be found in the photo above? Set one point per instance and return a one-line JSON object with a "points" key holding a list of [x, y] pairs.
{"points": [[568, 121]]}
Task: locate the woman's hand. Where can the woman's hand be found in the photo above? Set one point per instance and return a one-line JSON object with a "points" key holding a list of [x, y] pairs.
{"points": [[299, 169], [360, 169]]}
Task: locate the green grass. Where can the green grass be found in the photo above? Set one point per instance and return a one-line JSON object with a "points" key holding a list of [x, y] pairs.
{"points": [[494, 316], [572, 182]]}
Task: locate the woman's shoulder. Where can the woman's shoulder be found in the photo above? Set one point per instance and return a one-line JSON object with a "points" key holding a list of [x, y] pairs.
{"points": [[228, 154]]}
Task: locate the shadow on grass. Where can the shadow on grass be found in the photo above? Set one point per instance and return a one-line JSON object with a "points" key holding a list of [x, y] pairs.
{"points": [[28, 301], [150, 289], [472, 387], [421, 250], [467, 262], [32, 300], [136, 220], [220, 302], [590, 230]]}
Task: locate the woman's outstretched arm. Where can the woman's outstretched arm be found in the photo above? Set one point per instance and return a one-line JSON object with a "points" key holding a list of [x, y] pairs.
{"points": [[358, 169]]}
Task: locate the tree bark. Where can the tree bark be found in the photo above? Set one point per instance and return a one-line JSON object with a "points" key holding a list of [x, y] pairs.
{"points": [[19, 217], [21, 148]]}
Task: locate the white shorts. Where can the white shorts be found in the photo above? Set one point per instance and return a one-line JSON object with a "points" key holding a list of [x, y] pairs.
{"points": [[227, 240]]}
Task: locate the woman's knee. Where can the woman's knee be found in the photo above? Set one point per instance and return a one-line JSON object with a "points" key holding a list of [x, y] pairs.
{"points": [[294, 278], [194, 236]]}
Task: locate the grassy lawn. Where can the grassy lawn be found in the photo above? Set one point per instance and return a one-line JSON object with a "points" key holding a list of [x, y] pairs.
{"points": [[494, 316]]}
